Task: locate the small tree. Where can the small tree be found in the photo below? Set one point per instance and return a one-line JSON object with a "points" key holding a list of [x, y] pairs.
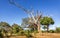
{"points": [[47, 21]]}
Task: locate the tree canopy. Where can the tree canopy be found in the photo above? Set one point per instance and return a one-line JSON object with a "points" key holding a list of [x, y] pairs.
{"points": [[47, 21]]}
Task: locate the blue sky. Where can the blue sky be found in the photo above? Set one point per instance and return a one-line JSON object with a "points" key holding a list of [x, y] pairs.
{"points": [[12, 14]]}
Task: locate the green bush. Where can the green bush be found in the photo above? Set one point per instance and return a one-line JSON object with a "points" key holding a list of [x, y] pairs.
{"points": [[44, 31], [28, 34], [57, 30], [52, 31], [21, 33]]}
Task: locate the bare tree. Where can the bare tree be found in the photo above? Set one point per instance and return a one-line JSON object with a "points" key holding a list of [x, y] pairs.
{"points": [[35, 19]]}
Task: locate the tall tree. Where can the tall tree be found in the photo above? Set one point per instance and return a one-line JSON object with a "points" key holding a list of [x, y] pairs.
{"points": [[33, 18], [47, 21]]}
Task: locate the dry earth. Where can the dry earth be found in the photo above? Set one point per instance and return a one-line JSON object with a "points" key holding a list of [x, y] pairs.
{"points": [[41, 35], [47, 35]]}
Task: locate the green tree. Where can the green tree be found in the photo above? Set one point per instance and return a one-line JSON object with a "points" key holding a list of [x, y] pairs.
{"points": [[47, 21], [5, 27], [16, 28]]}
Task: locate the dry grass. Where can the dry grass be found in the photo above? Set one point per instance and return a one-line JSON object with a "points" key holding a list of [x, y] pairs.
{"points": [[41, 35]]}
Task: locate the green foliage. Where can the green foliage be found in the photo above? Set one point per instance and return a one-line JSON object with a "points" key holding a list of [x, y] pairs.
{"points": [[57, 30], [43, 31], [4, 24], [47, 21], [1, 35], [51, 31], [16, 28], [5, 28], [22, 33], [28, 34]]}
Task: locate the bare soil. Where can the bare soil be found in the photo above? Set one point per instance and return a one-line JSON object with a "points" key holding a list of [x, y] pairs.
{"points": [[47, 35], [41, 35]]}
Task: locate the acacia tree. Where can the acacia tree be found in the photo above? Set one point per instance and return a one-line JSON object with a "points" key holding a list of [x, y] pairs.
{"points": [[47, 21], [35, 19]]}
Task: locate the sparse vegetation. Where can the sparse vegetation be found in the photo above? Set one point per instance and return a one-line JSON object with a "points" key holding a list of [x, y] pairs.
{"points": [[33, 24]]}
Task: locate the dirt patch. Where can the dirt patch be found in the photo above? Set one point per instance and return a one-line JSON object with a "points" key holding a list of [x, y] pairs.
{"points": [[41, 35], [47, 35], [18, 37]]}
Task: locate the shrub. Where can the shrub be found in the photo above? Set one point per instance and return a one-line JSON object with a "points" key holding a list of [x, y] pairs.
{"points": [[52, 31], [28, 34]]}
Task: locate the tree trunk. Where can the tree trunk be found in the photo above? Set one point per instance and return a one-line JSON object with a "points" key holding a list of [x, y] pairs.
{"points": [[39, 30], [47, 28]]}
